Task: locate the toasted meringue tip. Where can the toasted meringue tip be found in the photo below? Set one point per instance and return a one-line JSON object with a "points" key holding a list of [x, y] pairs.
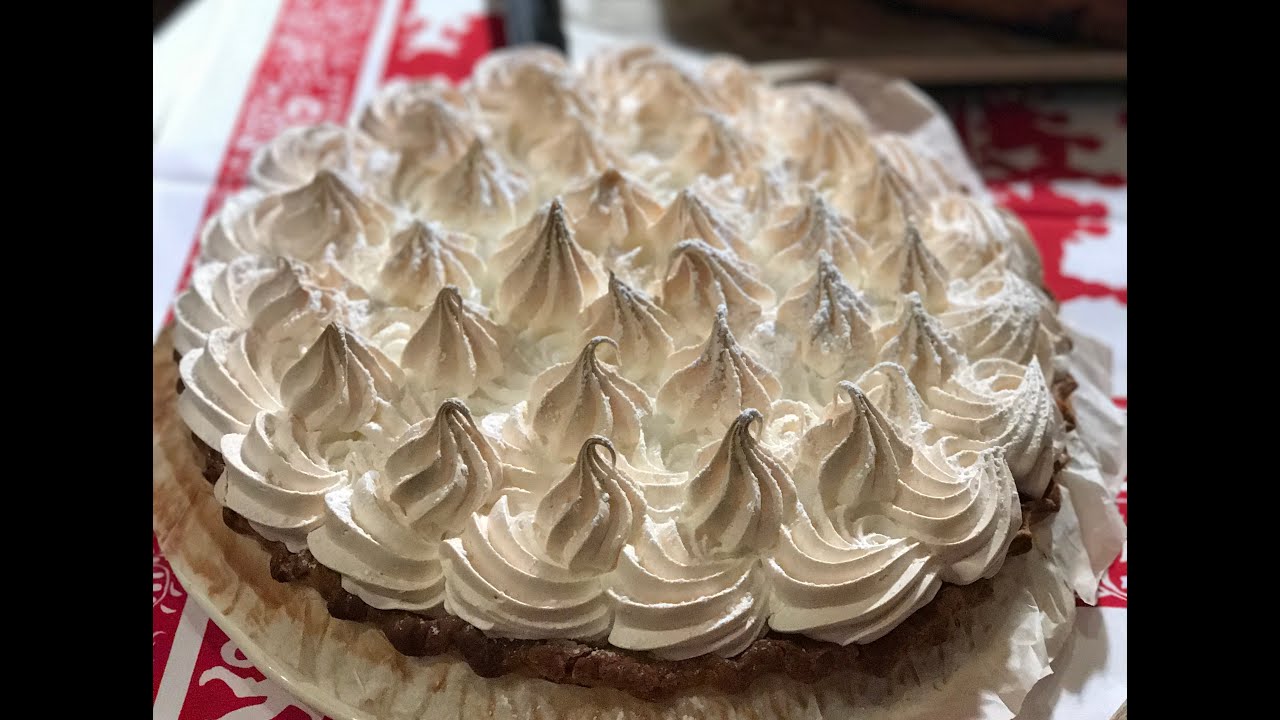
{"points": [[721, 323], [596, 342], [597, 441], [325, 175], [454, 405], [334, 331], [415, 227], [849, 388], [557, 219], [744, 420], [685, 246], [449, 292]]}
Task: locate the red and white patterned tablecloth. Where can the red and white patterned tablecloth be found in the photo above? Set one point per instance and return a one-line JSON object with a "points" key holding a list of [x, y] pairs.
{"points": [[1056, 157]]}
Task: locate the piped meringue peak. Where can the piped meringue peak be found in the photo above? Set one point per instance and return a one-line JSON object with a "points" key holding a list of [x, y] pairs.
{"points": [[477, 193], [738, 504], [574, 152], [656, 97], [717, 148], [1002, 315], [287, 305], [831, 322], [297, 154], [591, 513], [890, 388], [689, 217], [575, 400], [426, 260], [918, 342], [550, 278], [556, 353], [734, 83], [716, 383], [908, 267], [523, 92], [228, 233], [840, 145], [815, 228], [612, 211], [538, 573], [701, 277], [968, 235], [237, 294], [340, 383], [998, 403], [457, 349], [854, 461], [426, 118], [641, 329], [917, 166], [879, 201], [326, 213], [443, 474]]}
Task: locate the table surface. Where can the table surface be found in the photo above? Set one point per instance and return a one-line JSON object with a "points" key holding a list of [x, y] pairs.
{"points": [[1056, 156]]}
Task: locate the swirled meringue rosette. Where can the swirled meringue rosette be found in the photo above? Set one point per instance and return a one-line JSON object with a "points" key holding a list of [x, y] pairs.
{"points": [[384, 532], [890, 523], [537, 573], [277, 479], [551, 353], [694, 585]]}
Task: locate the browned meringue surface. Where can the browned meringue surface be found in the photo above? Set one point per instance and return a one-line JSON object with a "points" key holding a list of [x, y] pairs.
{"points": [[641, 355]]}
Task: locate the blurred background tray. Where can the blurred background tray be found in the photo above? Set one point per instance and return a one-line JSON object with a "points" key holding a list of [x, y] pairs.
{"points": [[1030, 41]]}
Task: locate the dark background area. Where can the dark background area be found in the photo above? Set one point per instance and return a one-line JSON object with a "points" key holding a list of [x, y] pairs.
{"points": [[162, 9]]}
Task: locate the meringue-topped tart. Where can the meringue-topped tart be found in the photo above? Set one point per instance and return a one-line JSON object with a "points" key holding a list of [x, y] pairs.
{"points": [[641, 376]]}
